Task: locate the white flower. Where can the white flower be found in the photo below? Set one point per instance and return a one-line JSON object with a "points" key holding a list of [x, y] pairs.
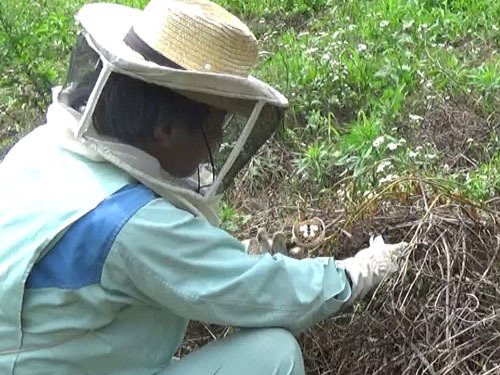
{"points": [[402, 141], [424, 26], [361, 47], [388, 178], [494, 28], [383, 24], [416, 118], [337, 33], [383, 165], [408, 24], [430, 156], [470, 140], [368, 194], [413, 154], [311, 50], [351, 27], [392, 146], [377, 142]]}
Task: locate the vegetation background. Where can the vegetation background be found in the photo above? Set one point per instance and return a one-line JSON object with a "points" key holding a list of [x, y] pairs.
{"points": [[394, 115]]}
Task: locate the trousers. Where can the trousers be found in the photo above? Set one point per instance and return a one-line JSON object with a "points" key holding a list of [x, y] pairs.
{"points": [[265, 351]]}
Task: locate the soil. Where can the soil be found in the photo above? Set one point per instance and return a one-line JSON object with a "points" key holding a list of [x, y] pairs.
{"points": [[459, 130]]}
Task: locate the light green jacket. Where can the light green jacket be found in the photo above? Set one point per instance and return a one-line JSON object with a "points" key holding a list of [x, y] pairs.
{"points": [[165, 267]]}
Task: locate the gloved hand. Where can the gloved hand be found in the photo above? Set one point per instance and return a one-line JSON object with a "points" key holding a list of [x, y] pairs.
{"points": [[369, 266], [262, 244]]}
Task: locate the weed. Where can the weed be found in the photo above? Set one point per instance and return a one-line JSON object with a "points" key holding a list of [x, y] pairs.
{"points": [[231, 220], [353, 71], [484, 183]]}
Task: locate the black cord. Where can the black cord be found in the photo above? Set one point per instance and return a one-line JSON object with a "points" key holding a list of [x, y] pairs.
{"points": [[211, 162]]}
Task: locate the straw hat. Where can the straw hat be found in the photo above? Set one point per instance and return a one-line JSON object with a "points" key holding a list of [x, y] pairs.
{"points": [[193, 46], [197, 35]]}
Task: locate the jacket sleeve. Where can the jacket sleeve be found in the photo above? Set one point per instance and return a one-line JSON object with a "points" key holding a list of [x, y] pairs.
{"points": [[167, 257]]}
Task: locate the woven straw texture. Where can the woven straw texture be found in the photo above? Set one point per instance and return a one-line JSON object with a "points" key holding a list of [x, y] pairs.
{"points": [[198, 35]]}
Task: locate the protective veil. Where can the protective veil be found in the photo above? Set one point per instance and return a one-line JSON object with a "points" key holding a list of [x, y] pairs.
{"points": [[100, 51]]}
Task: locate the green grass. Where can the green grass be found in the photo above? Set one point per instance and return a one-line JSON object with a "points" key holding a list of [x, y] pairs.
{"points": [[365, 67], [484, 183], [354, 71], [231, 219], [271, 7], [36, 38]]}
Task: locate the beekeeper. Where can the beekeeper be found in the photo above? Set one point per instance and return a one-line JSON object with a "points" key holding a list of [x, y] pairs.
{"points": [[108, 217]]}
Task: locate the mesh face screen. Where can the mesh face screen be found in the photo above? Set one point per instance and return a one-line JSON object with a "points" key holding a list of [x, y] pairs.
{"points": [[261, 132], [84, 68]]}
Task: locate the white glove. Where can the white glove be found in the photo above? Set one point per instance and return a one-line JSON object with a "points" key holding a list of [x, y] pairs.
{"points": [[369, 266], [262, 244]]}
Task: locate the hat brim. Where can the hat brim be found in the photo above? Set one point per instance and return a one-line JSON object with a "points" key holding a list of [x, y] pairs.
{"points": [[105, 26]]}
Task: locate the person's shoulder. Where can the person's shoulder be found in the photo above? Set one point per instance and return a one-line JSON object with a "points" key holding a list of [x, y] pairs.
{"points": [[159, 223], [162, 210]]}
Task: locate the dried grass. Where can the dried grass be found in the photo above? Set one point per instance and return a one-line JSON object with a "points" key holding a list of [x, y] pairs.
{"points": [[458, 129], [439, 315]]}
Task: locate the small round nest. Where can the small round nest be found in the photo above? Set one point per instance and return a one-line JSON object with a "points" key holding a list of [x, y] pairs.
{"points": [[308, 233]]}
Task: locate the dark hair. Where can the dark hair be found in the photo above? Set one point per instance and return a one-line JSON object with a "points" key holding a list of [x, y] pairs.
{"points": [[129, 109]]}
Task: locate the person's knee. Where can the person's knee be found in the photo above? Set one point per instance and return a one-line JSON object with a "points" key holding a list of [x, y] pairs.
{"points": [[282, 342], [280, 347]]}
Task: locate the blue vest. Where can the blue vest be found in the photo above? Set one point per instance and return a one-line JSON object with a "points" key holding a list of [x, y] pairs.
{"points": [[78, 257]]}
